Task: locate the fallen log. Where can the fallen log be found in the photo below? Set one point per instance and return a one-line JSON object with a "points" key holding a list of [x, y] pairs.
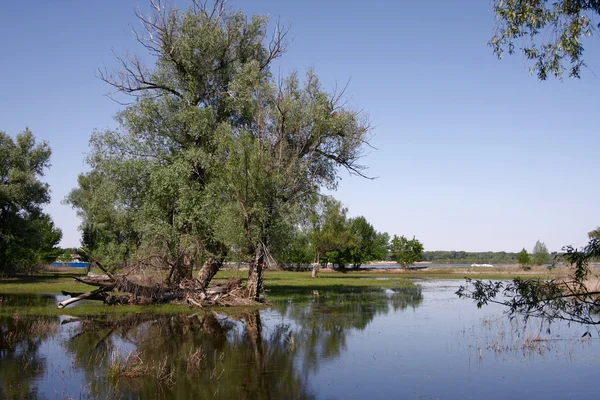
{"points": [[190, 291], [72, 294], [97, 294], [99, 277], [102, 284]]}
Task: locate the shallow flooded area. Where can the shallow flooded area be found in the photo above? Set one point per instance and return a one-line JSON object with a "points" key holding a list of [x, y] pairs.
{"points": [[418, 342]]}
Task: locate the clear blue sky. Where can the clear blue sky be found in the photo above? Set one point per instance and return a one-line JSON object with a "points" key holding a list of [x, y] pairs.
{"points": [[472, 152]]}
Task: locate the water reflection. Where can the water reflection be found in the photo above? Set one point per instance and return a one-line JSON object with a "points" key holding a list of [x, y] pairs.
{"points": [[324, 320], [20, 360], [198, 356], [27, 300], [419, 342], [187, 356]]}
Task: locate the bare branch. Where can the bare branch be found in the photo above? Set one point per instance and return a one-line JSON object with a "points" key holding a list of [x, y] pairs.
{"points": [[278, 44]]}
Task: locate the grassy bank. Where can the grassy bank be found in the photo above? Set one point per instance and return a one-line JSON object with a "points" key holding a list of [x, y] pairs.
{"points": [[279, 286], [55, 282], [44, 283], [377, 276]]}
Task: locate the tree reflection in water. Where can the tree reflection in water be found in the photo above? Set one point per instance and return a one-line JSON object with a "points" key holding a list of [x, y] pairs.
{"points": [[209, 357], [203, 355], [324, 319], [21, 363]]}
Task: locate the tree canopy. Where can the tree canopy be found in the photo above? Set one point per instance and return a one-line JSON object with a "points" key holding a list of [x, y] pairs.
{"points": [[330, 232], [326, 235], [551, 33], [469, 257], [27, 235], [524, 259], [540, 254], [406, 252], [595, 234], [215, 158], [370, 244]]}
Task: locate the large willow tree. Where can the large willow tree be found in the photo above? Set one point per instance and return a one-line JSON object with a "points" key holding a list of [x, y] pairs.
{"points": [[214, 157]]}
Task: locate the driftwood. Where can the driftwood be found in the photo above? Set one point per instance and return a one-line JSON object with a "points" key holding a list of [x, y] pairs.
{"points": [[98, 294], [94, 282], [72, 294], [189, 291]]}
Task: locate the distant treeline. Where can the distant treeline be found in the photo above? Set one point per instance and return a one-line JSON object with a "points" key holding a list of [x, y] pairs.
{"points": [[466, 257]]}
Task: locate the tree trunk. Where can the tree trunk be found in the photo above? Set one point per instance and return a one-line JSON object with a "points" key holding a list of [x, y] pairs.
{"points": [[315, 270], [213, 328], [254, 330], [97, 294], [254, 283], [181, 270], [208, 271]]}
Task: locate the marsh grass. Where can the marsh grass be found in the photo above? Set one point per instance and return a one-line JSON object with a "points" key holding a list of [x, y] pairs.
{"points": [[194, 361], [24, 330], [529, 344], [135, 365], [505, 336], [535, 343]]}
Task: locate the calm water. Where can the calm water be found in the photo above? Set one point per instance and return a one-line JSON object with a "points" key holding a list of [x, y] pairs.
{"points": [[420, 343]]}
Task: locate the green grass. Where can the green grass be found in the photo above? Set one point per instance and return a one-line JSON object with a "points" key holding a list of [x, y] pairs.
{"points": [[286, 285], [372, 278], [279, 286], [303, 279], [42, 283]]}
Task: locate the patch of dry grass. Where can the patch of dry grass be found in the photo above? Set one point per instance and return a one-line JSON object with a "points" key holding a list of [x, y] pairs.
{"points": [[134, 365], [592, 284]]}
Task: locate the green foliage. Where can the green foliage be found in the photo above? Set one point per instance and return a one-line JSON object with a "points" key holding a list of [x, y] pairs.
{"points": [[551, 32], [595, 234], [540, 255], [406, 252], [359, 242], [297, 250], [369, 245], [146, 196], [466, 257], [330, 233], [48, 250], [27, 235], [215, 157], [567, 299], [107, 211], [524, 259]]}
